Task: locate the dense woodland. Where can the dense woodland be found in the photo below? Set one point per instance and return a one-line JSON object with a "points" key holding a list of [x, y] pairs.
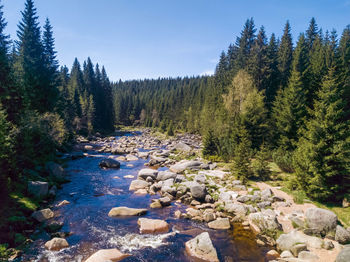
{"points": [[268, 99]]}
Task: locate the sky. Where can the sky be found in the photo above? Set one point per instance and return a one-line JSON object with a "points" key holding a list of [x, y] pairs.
{"points": [[137, 39]]}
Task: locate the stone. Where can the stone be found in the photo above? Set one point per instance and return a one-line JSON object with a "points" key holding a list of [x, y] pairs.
{"points": [[152, 226], [164, 175], [200, 178], [266, 193], [344, 254], [321, 220], [265, 220], [237, 209], [138, 184], [195, 203], [214, 173], [38, 189], [43, 215], [146, 172], [229, 195], [131, 158], [143, 155], [63, 203], [220, 223], [342, 235], [55, 170], [183, 165], [208, 199], [177, 214], [183, 147], [243, 199], [53, 226], [328, 245], [56, 244], [156, 204], [193, 212], [272, 255], [264, 204], [346, 202], [287, 241], [308, 256], [198, 191], [201, 248], [128, 176], [104, 255], [296, 249], [286, 254], [141, 192], [165, 201], [208, 216], [126, 211], [109, 163]]}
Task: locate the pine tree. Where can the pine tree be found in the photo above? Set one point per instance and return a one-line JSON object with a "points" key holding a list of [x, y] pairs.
{"points": [[272, 80], [210, 144], [241, 160], [343, 64], [285, 53], [311, 33], [322, 158], [260, 166]]}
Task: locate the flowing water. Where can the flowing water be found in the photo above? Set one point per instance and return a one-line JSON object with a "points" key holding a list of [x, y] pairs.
{"points": [[92, 192]]}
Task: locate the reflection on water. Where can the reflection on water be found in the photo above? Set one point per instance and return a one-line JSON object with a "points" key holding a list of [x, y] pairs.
{"points": [[92, 192]]}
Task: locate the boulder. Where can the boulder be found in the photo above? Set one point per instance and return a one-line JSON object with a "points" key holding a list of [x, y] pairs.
{"points": [[296, 249], [201, 248], [42, 215], [104, 255], [229, 195], [214, 173], [55, 170], [183, 165], [109, 163], [308, 256], [237, 209], [155, 204], [131, 158], [56, 244], [138, 184], [165, 201], [264, 221], [147, 172], [342, 235], [272, 255], [63, 203], [220, 223], [198, 191], [243, 199], [53, 226], [164, 175], [152, 226], [287, 241], [143, 155], [344, 254], [182, 147], [38, 189], [200, 178], [141, 192], [126, 211], [321, 220]]}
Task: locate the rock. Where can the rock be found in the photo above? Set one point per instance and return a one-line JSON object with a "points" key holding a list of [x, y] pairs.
{"points": [[131, 158], [265, 220], [126, 211], [164, 175], [104, 255], [296, 249], [177, 214], [152, 226], [237, 209], [321, 220], [38, 189], [63, 203], [264, 204], [183, 165], [165, 201], [208, 199], [141, 192], [156, 204], [55, 170], [214, 173], [286, 254], [56, 244], [208, 216], [143, 155], [344, 254], [243, 199], [308, 256], [328, 245], [266, 193], [43, 215], [147, 172], [53, 226], [195, 203], [53, 191], [342, 235], [121, 158], [183, 147], [109, 163], [198, 191], [128, 176], [201, 179], [287, 241], [229, 195], [138, 184], [201, 248], [272, 255], [346, 202], [193, 212], [220, 223]]}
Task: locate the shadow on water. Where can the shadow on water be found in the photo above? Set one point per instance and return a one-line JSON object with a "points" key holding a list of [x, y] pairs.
{"points": [[92, 192]]}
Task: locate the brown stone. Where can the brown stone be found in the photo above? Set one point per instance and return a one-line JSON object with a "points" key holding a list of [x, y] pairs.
{"points": [[152, 226], [103, 255]]}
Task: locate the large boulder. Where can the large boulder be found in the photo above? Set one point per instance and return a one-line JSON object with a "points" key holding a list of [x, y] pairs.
{"points": [[138, 184], [220, 223], [344, 254], [264, 221], [287, 241], [38, 189], [55, 170], [104, 255], [198, 191], [164, 175], [126, 211], [214, 173], [109, 163], [201, 248], [182, 147], [227, 196], [56, 244], [320, 220], [183, 165], [152, 226], [43, 215], [237, 209], [342, 235], [147, 172], [131, 158]]}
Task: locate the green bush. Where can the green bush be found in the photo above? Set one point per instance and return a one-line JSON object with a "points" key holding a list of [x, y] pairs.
{"points": [[260, 166], [210, 145], [284, 160]]}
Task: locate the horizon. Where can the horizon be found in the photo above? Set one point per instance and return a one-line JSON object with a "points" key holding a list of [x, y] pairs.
{"points": [[187, 42]]}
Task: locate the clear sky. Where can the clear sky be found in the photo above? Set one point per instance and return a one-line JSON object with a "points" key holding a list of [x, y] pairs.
{"points": [[138, 39]]}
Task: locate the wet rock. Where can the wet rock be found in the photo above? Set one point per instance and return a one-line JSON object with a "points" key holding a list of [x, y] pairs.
{"points": [[321, 220], [43, 215], [143, 155], [63, 203], [183, 165], [342, 235], [165, 201], [164, 175], [138, 184], [147, 172], [156, 204], [109, 163], [296, 249], [104, 255], [128, 176], [38, 189], [220, 223], [53, 226], [126, 211], [272, 255], [152, 226], [308, 256], [141, 192], [56, 244], [264, 221], [201, 248], [177, 214], [198, 191], [53, 191], [344, 254], [191, 212], [55, 170], [131, 158]]}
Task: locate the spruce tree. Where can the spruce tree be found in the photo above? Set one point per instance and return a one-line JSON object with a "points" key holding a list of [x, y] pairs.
{"points": [[285, 53], [272, 81], [241, 160], [322, 159], [210, 144], [343, 63]]}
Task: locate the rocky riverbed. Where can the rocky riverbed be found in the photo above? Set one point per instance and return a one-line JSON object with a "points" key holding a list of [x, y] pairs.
{"points": [[137, 197]]}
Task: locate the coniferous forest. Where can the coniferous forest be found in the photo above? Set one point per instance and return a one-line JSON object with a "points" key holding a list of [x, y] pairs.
{"points": [[271, 99]]}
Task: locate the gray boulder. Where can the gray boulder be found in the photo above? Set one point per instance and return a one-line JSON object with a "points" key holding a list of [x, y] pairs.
{"points": [[183, 165], [198, 191], [55, 170], [38, 189], [201, 248], [109, 163], [138, 184], [342, 235], [287, 241], [344, 255], [126, 211], [264, 221], [43, 215], [183, 147], [164, 175], [147, 172], [321, 220]]}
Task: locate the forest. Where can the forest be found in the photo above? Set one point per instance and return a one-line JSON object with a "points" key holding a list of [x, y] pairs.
{"points": [[270, 99]]}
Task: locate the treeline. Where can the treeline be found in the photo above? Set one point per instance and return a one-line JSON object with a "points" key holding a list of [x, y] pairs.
{"points": [[267, 95], [42, 106]]}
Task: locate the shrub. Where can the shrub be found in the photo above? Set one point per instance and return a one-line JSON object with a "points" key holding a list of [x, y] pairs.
{"points": [[260, 165], [284, 160]]}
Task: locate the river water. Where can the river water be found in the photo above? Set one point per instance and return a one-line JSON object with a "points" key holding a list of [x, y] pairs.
{"points": [[92, 192]]}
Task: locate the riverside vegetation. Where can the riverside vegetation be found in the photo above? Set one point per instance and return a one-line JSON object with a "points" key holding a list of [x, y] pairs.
{"points": [[269, 106]]}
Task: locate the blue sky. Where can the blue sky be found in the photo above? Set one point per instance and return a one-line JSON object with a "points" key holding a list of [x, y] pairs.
{"points": [[138, 39]]}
